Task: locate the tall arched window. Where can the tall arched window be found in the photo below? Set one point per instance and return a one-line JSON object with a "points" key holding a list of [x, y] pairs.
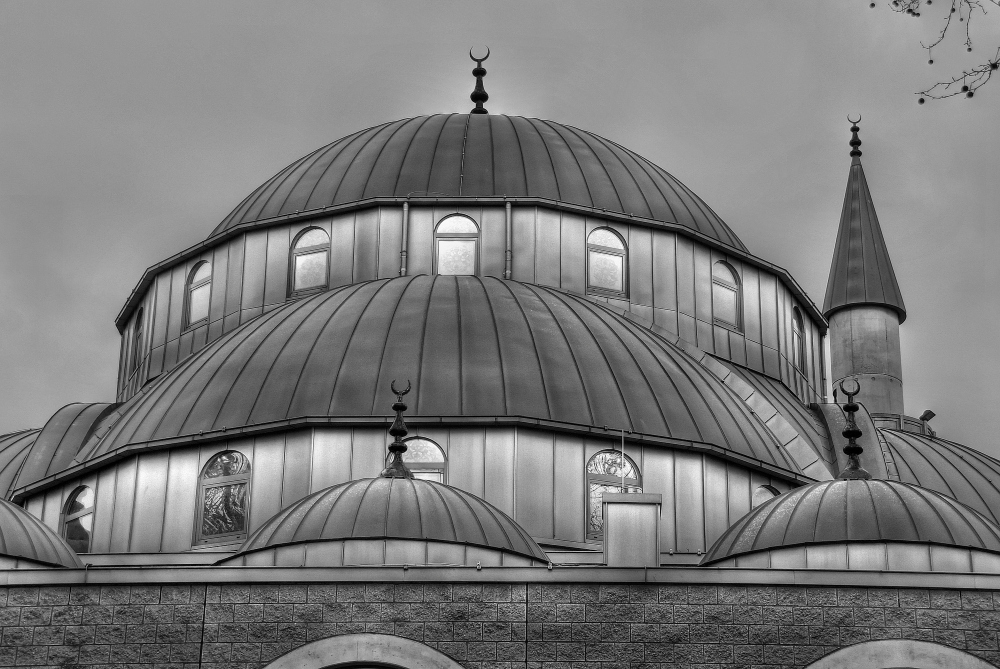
{"points": [[136, 342], [726, 303], [607, 263], [310, 262], [425, 459], [78, 519], [763, 493], [199, 291], [607, 471], [798, 341], [224, 493], [456, 245]]}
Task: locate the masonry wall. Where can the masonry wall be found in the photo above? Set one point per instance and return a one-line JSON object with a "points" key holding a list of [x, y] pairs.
{"points": [[544, 626]]}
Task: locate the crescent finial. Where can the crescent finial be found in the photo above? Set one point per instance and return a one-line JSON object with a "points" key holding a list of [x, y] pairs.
{"points": [[399, 393], [479, 60], [853, 122], [850, 393]]}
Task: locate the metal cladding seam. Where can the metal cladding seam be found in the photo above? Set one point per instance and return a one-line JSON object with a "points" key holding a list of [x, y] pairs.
{"points": [[23, 536], [861, 272], [952, 469], [857, 510], [14, 449], [385, 508], [463, 155], [472, 346]]}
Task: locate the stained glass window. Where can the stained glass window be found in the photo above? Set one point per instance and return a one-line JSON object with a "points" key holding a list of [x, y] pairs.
{"points": [[425, 459], [225, 484], [607, 263], [310, 262], [607, 471], [456, 240], [78, 520], [199, 293], [725, 296]]}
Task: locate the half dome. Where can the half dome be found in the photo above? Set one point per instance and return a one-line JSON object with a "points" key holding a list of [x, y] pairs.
{"points": [[477, 155], [389, 521], [886, 522], [26, 542], [471, 346]]}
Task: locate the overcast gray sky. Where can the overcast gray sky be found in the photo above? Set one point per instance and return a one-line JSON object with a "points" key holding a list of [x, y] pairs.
{"points": [[129, 130]]}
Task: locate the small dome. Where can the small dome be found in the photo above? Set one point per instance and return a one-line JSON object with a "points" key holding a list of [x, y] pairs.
{"points": [[26, 542], [888, 513], [389, 521], [480, 155]]}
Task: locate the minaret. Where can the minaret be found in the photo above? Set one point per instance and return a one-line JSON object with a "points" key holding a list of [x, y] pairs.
{"points": [[863, 302]]}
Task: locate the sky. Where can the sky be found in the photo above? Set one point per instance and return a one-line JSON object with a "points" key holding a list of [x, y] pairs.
{"points": [[129, 130]]}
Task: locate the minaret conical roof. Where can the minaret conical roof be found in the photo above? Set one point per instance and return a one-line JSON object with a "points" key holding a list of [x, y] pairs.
{"points": [[861, 272]]}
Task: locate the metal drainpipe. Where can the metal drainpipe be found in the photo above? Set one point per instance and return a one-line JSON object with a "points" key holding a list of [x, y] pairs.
{"points": [[508, 255], [406, 229]]}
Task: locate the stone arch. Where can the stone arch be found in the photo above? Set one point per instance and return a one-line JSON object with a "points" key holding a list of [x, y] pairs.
{"points": [[900, 654], [348, 649]]}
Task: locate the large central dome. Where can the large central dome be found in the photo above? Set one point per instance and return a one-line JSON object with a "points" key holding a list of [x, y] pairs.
{"points": [[478, 155]]}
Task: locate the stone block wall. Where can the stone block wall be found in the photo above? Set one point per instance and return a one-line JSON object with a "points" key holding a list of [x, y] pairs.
{"points": [[483, 626]]}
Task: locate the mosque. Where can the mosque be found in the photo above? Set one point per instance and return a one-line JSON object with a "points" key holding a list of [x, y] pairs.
{"points": [[474, 390]]}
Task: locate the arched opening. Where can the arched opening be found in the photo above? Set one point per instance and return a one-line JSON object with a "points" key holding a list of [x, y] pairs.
{"points": [[425, 459], [309, 262], [727, 302], [456, 246], [607, 263], [78, 519], [223, 496], [798, 341], [199, 293], [364, 650], [763, 494], [900, 654], [607, 471]]}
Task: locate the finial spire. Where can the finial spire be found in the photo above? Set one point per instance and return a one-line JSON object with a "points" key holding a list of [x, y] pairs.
{"points": [[855, 140], [479, 96], [853, 450], [396, 468]]}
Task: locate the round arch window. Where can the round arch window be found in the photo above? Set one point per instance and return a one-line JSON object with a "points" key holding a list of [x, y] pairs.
{"points": [[310, 262], [608, 471], [199, 292], [456, 246], [78, 519], [607, 263], [726, 297], [425, 459], [224, 493]]}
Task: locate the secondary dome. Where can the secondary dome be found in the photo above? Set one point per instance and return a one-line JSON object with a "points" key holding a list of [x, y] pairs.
{"points": [[28, 543], [471, 346], [861, 524], [389, 521], [481, 155]]}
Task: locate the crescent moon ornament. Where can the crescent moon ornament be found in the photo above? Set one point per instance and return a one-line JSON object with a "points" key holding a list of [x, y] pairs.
{"points": [[853, 122], [479, 60], [850, 393], [400, 393]]}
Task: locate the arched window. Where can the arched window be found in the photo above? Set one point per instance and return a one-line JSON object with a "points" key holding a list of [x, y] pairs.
{"points": [[78, 519], [798, 341], [607, 263], [726, 303], [762, 494], [136, 342], [224, 492], [456, 245], [310, 262], [199, 290], [607, 471], [425, 459]]}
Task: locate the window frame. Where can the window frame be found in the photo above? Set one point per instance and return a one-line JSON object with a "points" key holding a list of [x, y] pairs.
{"points": [[245, 477], [137, 333], [435, 466], [798, 341], [444, 236], [736, 288], [607, 250], [293, 253], [631, 485], [68, 517], [190, 287]]}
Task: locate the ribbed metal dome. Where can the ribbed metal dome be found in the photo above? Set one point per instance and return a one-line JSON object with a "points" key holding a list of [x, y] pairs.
{"points": [[471, 346], [479, 155], [394, 508], [24, 537], [857, 511]]}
